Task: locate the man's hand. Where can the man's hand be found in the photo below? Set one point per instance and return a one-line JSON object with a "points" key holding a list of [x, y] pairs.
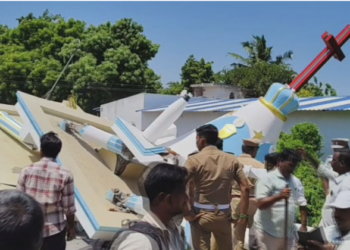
{"points": [[318, 246], [240, 221], [285, 194], [303, 229], [191, 216], [71, 234], [303, 153]]}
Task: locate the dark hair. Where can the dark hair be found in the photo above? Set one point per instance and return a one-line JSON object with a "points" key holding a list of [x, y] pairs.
{"points": [[248, 149], [289, 155], [165, 178], [209, 132], [272, 158], [50, 145], [344, 156], [219, 144], [22, 221]]}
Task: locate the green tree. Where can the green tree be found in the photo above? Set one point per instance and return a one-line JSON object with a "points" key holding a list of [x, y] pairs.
{"points": [[258, 51], [317, 89], [173, 88], [224, 76], [110, 60], [308, 137], [196, 72], [256, 79]]}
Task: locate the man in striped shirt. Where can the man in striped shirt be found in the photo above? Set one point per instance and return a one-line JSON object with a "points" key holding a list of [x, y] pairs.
{"points": [[53, 187]]}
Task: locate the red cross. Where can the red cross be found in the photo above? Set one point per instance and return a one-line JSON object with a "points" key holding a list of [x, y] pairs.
{"points": [[333, 48]]}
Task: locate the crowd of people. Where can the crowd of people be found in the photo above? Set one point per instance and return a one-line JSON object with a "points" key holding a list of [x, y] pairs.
{"points": [[220, 194]]}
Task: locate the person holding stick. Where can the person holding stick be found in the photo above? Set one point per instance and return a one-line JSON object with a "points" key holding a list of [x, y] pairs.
{"points": [[271, 194]]}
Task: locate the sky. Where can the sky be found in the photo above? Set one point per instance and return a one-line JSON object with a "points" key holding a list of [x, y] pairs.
{"points": [[211, 30]]}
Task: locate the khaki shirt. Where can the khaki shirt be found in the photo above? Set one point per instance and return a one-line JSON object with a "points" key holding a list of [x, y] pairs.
{"points": [[247, 160], [213, 172]]}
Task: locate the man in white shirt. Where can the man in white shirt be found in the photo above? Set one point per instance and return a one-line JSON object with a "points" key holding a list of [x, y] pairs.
{"points": [[341, 206], [271, 161], [300, 200], [165, 186], [337, 144], [271, 193], [339, 178]]}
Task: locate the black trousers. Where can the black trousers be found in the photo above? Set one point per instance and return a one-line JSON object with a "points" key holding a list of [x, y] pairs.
{"points": [[55, 242]]}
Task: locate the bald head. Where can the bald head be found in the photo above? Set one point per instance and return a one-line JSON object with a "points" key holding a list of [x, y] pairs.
{"points": [[22, 221], [344, 157]]}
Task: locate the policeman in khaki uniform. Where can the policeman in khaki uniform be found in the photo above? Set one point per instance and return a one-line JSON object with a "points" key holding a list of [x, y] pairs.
{"points": [[250, 149], [213, 172]]}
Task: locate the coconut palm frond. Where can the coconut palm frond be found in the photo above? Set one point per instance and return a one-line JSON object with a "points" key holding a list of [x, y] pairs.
{"points": [[240, 59]]}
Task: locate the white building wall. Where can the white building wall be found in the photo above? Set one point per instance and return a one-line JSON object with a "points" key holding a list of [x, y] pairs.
{"points": [[221, 92], [332, 124], [125, 109]]}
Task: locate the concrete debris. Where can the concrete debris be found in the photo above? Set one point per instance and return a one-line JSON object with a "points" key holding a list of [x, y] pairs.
{"points": [[118, 198]]}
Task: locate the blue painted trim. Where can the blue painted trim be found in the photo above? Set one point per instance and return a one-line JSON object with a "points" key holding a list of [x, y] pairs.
{"points": [[216, 105], [136, 142], [78, 195], [344, 107], [9, 127], [115, 145], [82, 131], [10, 118], [63, 125], [233, 108], [309, 106]]}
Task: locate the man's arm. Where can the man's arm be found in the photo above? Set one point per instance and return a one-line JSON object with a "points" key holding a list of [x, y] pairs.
{"points": [[68, 203], [191, 169], [241, 179], [21, 181], [254, 173], [187, 210], [322, 169], [303, 217], [325, 183], [301, 201]]}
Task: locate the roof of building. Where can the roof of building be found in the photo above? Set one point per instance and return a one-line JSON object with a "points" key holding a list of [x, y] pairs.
{"points": [[212, 85], [333, 103]]}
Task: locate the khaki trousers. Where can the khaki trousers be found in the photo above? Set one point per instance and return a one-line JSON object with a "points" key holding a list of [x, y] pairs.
{"points": [[268, 242], [240, 230], [211, 223]]}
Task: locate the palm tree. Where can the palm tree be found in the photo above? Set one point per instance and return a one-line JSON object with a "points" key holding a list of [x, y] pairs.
{"points": [[320, 89], [258, 50]]}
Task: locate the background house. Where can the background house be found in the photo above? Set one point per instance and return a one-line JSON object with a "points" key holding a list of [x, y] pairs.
{"points": [[217, 91]]}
